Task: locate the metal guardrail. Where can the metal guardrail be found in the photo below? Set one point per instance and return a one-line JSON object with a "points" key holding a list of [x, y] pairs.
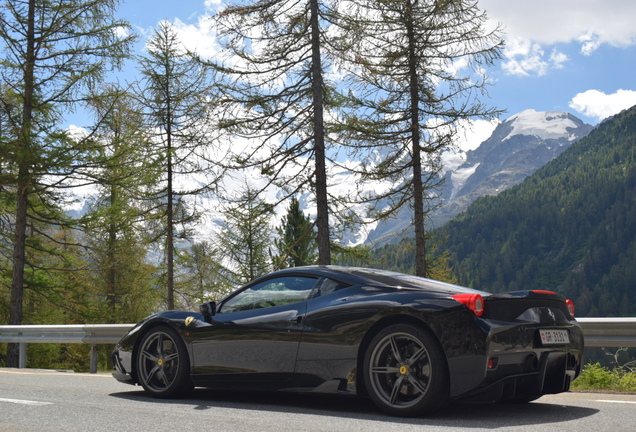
{"points": [[609, 332], [598, 332], [94, 334]]}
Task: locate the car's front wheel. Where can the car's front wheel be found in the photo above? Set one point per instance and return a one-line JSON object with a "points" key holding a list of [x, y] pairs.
{"points": [[405, 371], [163, 367]]}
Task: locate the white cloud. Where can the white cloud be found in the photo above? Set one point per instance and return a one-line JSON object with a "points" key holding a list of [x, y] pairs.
{"points": [[121, 32], [199, 37], [213, 5], [525, 58], [596, 104], [557, 59], [589, 43], [550, 22], [538, 24]]}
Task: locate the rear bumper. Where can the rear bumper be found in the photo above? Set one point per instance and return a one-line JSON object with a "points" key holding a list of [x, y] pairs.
{"points": [[553, 374], [519, 367], [509, 361]]}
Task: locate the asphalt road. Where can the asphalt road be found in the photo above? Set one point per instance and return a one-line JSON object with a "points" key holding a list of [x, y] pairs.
{"points": [[35, 400]]}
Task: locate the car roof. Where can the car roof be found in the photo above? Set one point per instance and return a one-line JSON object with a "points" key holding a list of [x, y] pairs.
{"points": [[372, 276]]}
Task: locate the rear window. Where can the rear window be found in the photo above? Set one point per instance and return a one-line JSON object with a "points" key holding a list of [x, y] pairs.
{"points": [[390, 278]]}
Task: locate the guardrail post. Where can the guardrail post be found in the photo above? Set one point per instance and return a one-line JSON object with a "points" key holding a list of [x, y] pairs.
{"points": [[94, 358], [22, 355]]}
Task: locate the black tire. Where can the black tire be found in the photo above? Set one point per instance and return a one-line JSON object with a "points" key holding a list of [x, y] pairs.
{"points": [[405, 371], [163, 366]]}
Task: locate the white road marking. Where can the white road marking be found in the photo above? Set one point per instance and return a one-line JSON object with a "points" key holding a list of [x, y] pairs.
{"points": [[616, 401], [25, 402], [54, 372]]}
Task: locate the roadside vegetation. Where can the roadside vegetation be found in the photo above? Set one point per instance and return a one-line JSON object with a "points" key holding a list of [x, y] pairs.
{"points": [[600, 378], [608, 371]]}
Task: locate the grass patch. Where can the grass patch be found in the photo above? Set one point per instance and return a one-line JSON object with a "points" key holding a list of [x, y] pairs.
{"points": [[595, 377]]}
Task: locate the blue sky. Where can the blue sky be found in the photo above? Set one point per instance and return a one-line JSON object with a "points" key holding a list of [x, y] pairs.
{"points": [[577, 56]]}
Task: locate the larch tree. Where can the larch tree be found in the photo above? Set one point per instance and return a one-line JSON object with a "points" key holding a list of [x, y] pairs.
{"points": [[177, 92], [8, 117], [201, 276], [417, 70], [245, 237], [278, 96], [114, 225], [53, 52]]}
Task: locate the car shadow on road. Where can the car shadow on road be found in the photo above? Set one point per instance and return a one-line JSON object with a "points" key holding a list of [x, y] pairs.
{"points": [[459, 415]]}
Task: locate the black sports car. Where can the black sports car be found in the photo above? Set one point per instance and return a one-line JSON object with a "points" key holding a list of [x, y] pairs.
{"points": [[411, 344]]}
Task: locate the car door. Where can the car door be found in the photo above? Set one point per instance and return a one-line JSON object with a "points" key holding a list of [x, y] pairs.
{"points": [[254, 335]]}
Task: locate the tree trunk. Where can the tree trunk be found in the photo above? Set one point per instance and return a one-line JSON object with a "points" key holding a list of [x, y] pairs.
{"points": [[24, 181], [322, 211], [418, 187], [17, 281], [111, 256], [170, 225]]}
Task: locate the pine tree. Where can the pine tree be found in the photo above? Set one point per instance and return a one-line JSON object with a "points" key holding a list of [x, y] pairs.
{"points": [[296, 241]]}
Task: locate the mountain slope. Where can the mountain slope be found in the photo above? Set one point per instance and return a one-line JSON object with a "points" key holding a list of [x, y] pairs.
{"points": [[517, 148], [570, 227]]}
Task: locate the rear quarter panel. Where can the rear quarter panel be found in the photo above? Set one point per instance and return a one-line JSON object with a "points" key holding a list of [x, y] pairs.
{"points": [[339, 326]]}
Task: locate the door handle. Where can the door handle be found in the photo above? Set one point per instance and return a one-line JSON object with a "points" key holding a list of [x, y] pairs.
{"points": [[297, 319]]}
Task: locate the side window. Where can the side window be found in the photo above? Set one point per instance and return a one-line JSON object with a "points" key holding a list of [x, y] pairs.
{"points": [[272, 292], [327, 286]]}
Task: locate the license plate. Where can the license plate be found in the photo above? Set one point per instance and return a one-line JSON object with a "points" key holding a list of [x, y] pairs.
{"points": [[554, 337]]}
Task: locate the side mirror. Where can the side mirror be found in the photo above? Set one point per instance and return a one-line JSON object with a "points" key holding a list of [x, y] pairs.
{"points": [[208, 309]]}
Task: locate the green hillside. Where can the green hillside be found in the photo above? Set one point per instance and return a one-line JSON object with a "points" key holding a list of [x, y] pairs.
{"points": [[570, 227]]}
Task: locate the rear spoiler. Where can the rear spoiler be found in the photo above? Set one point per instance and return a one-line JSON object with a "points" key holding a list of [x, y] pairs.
{"points": [[542, 294], [477, 304]]}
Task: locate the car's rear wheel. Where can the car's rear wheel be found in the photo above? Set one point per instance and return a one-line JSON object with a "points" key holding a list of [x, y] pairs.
{"points": [[405, 371], [163, 367]]}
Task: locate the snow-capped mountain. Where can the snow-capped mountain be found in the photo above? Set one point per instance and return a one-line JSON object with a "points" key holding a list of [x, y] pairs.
{"points": [[517, 148]]}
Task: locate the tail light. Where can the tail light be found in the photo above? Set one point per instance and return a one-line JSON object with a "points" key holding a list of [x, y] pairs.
{"points": [[570, 305], [474, 302]]}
